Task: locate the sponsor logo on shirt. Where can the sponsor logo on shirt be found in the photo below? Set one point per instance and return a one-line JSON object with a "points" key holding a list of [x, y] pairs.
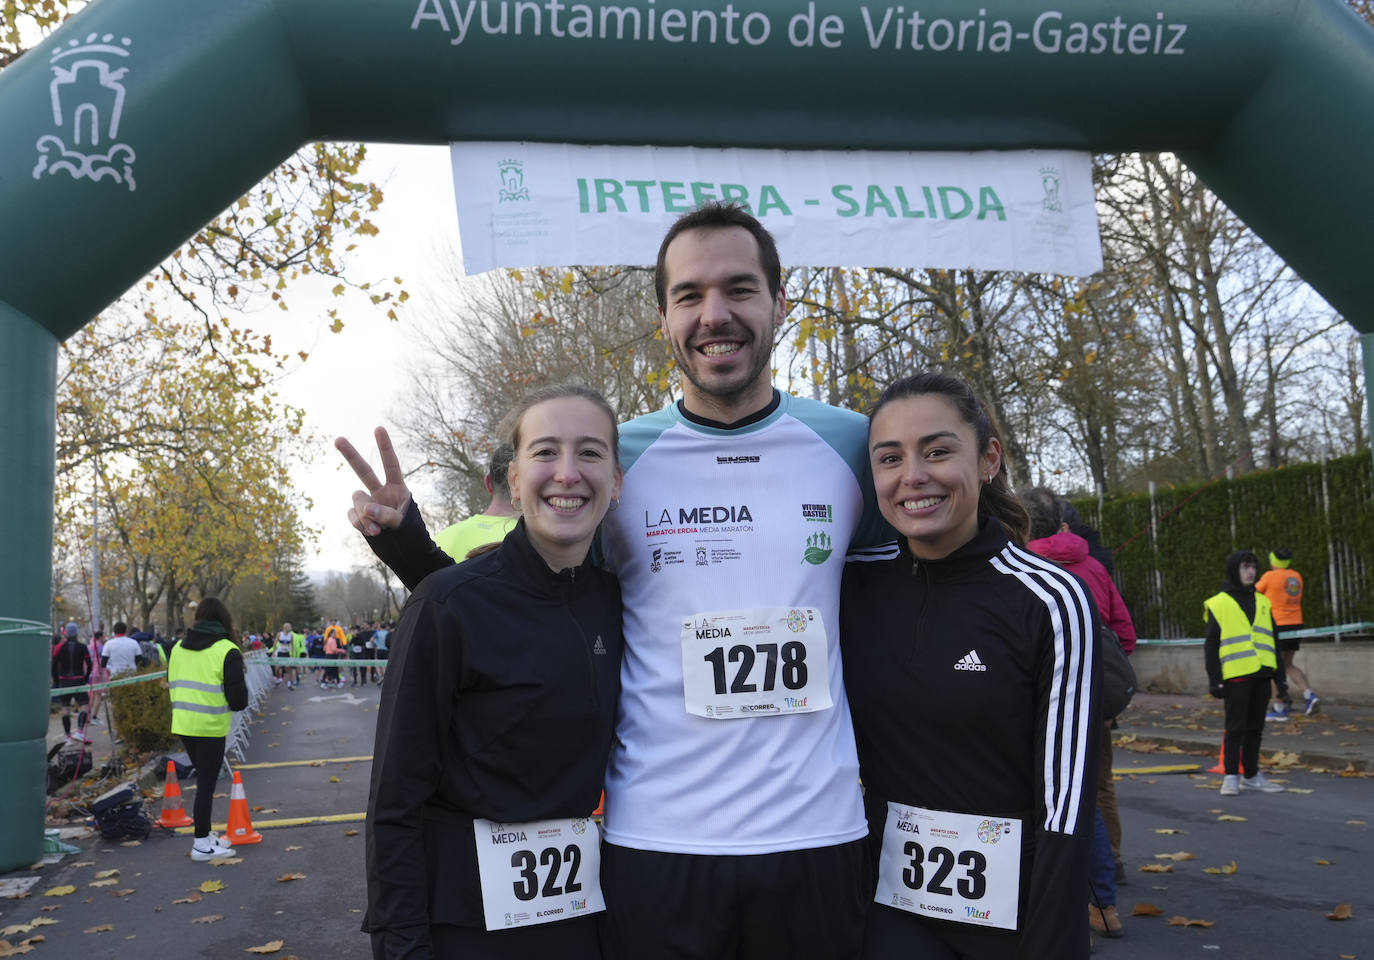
{"points": [[748, 458], [599, 648], [970, 661], [818, 549], [656, 561], [818, 513], [976, 914]]}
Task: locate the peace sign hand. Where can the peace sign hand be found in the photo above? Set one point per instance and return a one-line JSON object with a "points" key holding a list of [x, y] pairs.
{"points": [[382, 505]]}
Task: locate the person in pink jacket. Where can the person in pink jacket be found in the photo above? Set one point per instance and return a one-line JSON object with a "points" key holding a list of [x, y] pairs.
{"points": [[1052, 539]]}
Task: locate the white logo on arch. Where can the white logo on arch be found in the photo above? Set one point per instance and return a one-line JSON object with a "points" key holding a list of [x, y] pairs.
{"points": [[87, 92]]}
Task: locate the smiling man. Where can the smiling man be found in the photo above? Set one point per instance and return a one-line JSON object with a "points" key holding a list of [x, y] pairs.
{"points": [[734, 826]]}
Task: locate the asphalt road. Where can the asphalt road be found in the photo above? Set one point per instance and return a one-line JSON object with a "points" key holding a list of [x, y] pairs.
{"points": [[1274, 904]]}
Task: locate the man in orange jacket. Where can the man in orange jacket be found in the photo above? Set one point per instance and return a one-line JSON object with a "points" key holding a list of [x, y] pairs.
{"points": [[1283, 586]]}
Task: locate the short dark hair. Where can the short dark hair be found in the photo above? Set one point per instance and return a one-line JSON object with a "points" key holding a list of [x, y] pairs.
{"points": [[121, 627], [499, 467], [1045, 508], [719, 215]]}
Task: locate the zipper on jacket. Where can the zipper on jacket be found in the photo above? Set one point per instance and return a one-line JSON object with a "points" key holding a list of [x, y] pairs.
{"points": [[922, 571]]}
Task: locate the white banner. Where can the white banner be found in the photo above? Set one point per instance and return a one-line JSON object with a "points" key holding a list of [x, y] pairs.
{"points": [[548, 204]]}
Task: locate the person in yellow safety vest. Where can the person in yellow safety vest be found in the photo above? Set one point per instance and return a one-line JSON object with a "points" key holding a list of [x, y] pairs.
{"points": [[206, 682], [1241, 662]]}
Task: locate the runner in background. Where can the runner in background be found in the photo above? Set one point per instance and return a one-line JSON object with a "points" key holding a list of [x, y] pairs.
{"points": [[1283, 586], [492, 524], [283, 650], [335, 648], [71, 667]]}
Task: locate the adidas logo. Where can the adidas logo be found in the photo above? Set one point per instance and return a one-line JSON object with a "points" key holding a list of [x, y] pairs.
{"points": [[970, 661], [599, 648]]}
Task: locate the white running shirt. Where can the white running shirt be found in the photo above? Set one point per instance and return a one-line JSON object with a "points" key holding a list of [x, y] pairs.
{"points": [[717, 520]]}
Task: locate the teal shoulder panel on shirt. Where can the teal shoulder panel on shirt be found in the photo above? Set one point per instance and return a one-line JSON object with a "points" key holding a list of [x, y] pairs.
{"points": [[639, 434], [846, 432]]}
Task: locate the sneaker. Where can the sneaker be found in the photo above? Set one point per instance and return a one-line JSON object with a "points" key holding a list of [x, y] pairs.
{"points": [[1309, 703], [1261, 783], [1277, 713], [80, 736], [205, 848], [1105, 921], [1230, 785], [220, 841]]}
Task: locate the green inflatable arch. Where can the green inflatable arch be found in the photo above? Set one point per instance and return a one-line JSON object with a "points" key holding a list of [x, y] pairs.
{"points": [[139, 120]]}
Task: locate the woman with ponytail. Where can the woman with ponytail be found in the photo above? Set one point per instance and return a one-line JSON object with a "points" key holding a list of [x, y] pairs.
{"points": [[972, 681]]}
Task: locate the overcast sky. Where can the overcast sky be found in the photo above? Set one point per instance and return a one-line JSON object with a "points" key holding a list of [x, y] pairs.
{"points": [[356, 379]]}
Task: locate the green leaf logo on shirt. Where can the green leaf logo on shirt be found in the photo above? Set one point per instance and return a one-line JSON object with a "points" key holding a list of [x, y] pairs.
{"points": [[817, 549]]}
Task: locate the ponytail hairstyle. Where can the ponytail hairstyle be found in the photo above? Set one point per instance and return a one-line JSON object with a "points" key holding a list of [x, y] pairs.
{"points": [[995, 499]]}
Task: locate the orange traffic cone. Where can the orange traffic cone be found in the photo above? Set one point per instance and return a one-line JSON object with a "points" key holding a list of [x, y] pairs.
{"points": [[1221, 759], [173, 811], [240, 823]]}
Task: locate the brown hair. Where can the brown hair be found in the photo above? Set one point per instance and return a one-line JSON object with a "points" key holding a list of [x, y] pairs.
{"points": [[212, 608], [719, 215], [558, 391], [995, 499]]}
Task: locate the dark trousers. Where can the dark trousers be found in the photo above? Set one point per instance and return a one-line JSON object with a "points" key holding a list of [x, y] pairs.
{"points": [[207, 755], [564, 940], [769, 906], [1247, 699]]}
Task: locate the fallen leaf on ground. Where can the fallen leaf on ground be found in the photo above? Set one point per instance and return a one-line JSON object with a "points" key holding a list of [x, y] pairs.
{"points": [[294, 847], [290, 876], [1298, 790], [1168, 830], [271, 946], [61, 891], [103, 874], [1230, 868], [193, 898], [1181, 855], [103, 928], [123, 893], [1230, 818], [132, 843], [1343, 911], [15, 929], [209, 918], [211, 886], [50, 908], [1356, 823], [103, 883], [257, 809], [1322, 863], [333, 779], [84, 863], [8, 949], [271, 810], [1185, 922], [1156, 868], [350, 833], [42, 921], [1146, 910]]}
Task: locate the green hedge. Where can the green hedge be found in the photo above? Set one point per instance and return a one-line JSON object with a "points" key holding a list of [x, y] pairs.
{"points": [[1165, 578]]}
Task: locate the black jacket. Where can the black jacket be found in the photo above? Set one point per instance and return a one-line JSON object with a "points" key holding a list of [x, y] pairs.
{"points": [[962, 674], [203, 637], [499, 703]]}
